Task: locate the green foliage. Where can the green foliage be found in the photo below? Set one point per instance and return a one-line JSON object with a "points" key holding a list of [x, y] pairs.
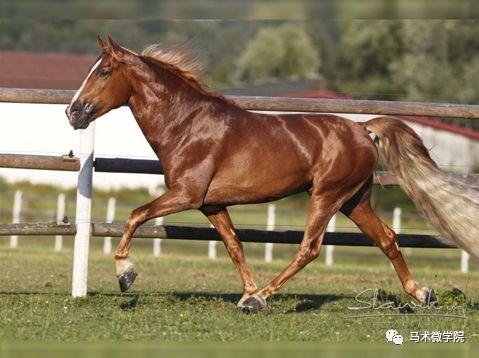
{"points": [[366, 50], [278, 51], [438, 59], [218, 43], [468, 92], [387, 198], [410, 60], [3, 186]]}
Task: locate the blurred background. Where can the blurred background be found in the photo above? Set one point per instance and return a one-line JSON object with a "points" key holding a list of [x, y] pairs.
{"points": [[312, 49]]}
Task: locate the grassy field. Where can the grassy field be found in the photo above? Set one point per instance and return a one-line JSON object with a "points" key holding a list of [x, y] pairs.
{"points": [[183, 297]]}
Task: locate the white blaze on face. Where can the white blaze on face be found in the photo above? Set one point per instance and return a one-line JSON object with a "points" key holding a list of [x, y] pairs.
{"points": [[78, 92]]}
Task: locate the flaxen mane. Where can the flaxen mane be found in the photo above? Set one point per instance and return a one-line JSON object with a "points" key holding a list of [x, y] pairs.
{"points": [[184, 62], [179, 57]]}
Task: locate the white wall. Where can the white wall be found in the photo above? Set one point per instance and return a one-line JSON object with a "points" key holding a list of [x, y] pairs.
{"points": [[44, 129], [451, 151]]}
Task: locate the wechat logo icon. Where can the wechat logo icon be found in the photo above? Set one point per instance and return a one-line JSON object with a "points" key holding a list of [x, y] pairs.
{"points": [[393, 336]]}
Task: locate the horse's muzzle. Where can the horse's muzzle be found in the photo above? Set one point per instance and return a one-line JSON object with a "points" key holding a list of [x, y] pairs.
{"points": [[79, 115]]}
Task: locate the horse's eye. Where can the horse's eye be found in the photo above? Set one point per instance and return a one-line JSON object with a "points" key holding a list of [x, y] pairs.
{"points": [[104, 72]]}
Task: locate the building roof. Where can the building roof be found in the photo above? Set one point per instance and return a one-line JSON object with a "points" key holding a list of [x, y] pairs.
{"points": [[43, 70]]}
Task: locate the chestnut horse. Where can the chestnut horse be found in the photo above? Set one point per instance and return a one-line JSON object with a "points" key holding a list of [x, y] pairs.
{"points": [[216, 154]]}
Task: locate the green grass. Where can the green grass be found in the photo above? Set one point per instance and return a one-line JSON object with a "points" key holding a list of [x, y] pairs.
{"points": [[232, 349], [179, 298], [183, 297]]}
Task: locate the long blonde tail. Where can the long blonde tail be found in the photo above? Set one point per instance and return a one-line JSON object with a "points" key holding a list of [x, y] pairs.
{"points": [[450, 205]]}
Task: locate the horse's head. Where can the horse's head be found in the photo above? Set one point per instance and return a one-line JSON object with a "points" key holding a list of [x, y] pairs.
{"points": [[106, 86]]}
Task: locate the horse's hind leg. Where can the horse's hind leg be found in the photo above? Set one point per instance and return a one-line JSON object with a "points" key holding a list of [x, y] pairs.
{"points": [[322, 207], [359, 210], [221, 220]]}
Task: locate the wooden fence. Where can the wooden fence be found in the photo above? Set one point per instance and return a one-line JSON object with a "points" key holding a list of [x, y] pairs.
{"points": [[85, 163]]}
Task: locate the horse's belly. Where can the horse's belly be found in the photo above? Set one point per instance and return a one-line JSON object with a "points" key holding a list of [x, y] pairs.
{"points": [[254, 189]]}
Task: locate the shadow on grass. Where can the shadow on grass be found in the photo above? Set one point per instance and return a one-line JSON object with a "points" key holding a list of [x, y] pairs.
{"points": [[304, 302], [131, 304], [314, 302], [307, 302]]}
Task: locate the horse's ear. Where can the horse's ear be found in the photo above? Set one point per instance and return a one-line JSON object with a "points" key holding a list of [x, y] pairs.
{"points": [[101, 43], [113, 45], [114, 49]]}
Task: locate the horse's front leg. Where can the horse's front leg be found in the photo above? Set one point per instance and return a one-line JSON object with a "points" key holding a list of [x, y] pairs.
{"points": [[219, 217], [173, 201]]}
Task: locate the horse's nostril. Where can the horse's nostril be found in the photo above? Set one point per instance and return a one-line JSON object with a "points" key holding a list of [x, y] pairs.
{"points": [[76, 106], [74, 110]]}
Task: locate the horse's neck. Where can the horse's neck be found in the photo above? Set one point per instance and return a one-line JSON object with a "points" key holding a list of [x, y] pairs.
{"points": [[161, 119]]}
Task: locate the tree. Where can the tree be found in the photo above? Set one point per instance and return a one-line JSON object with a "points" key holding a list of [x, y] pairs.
{"points": [[218, 44], [278, 51], [366, 51], [438, 61]]}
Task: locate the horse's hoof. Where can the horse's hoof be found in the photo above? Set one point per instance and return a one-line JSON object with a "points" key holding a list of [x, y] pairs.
{"points": [[428, 296], [252, 304], [126, 279], [431, 297]]}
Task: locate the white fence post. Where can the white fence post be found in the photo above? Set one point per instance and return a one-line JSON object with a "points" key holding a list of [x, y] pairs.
{"points": [[464, 262], [271, 223], [212, 247], [110, 217], [157, 242], [397, 217], [397, 220], [83, 212], [16, 211], [330, 248], [158, 221], [60, 216]]}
